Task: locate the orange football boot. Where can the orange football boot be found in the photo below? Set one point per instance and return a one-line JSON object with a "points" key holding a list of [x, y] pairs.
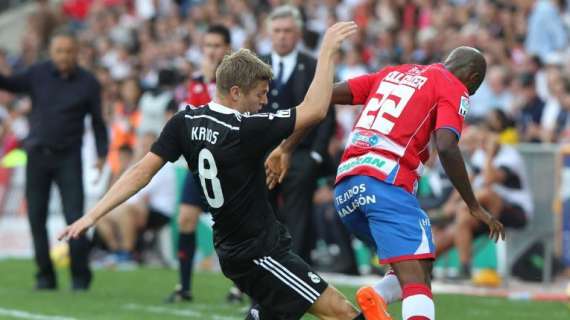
{"points": [[372, 305]]}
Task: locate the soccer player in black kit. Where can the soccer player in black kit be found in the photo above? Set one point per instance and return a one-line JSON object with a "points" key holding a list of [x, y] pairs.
{"points": [[224, 144]]}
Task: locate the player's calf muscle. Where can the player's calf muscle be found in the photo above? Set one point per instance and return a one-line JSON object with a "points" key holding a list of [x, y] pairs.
{"points": [[332, 305]]}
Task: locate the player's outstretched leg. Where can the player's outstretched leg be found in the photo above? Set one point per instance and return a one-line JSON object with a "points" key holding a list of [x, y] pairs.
{"points": [[333, 305], [414, 276]]}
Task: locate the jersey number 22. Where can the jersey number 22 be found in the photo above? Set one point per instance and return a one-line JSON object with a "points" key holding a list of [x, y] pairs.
{"points": [[210, 173], [392, 99]]}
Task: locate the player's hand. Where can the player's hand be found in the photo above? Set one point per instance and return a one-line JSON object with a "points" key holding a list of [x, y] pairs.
{"points": [[76, 229], [496, 229], [276, 167], [337, 33]]}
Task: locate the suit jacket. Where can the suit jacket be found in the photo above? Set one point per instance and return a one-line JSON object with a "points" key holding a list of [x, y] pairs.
{"points": [[319, 137]]}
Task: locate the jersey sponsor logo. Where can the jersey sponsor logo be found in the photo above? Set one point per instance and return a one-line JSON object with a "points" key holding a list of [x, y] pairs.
{"points": [[314, 278], [464, 106], [364, 139], [369, 139], [282, 113], [370, 160], [352, 199], [279, 114]]}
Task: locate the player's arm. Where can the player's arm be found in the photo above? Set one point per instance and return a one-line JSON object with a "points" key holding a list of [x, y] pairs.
{"points": [[342, 94], [315, 106], [355, 91], [134, 179], [17, 83], [454, 166]]}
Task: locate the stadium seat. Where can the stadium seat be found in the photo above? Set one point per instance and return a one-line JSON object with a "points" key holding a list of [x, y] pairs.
{"points": [[540, 163]]}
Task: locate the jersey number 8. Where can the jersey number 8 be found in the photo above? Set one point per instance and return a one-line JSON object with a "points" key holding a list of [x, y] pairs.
{"points": [[208, 171], [392, 99]]}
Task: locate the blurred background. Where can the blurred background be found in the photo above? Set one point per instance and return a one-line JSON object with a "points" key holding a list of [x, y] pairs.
{"points": [[524, 102]]}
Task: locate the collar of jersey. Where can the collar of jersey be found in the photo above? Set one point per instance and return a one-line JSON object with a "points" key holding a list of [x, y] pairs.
{"points": [[221, 109]]}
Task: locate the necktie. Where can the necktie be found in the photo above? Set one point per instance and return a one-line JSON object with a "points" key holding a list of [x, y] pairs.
{"points": [[279, 80]]}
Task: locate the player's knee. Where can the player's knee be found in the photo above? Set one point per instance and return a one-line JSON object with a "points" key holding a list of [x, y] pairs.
{"points": [[187, 218], [412, 271]]}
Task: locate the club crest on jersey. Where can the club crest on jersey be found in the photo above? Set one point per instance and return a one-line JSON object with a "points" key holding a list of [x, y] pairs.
{"points": [[314, 277], [464, 106]]}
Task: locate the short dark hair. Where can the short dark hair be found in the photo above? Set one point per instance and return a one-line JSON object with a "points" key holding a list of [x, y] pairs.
{"points": [[168, 77], [222, 31]]}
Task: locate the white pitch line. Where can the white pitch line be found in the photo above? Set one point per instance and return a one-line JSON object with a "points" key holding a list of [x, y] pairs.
{"points": [[30, 316], [176, 312]]}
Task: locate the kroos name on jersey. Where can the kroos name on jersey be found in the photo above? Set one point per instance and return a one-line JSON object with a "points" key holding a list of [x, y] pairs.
{"points": [[204, 134]]}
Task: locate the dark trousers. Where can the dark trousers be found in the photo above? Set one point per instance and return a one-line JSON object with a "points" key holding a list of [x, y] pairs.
{"points": [[64, 168], [296, 211]]}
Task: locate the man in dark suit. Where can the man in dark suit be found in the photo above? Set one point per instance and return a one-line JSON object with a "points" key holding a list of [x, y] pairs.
{"points": [[62, 95], [293, 71]]}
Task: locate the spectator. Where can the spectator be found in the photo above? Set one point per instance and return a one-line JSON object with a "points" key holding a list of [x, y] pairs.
{"points": [[62, 95], [353, 65], [125, 121], [499, 122], [555, 85], [561, 132], [529, 109], [494, 93], [293, 71], [151, 208], [501, 186], [546, 31], [158, 105]]}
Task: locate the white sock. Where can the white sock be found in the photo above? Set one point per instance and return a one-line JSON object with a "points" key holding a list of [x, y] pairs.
{"points": [[389, 288], [417, 303]]}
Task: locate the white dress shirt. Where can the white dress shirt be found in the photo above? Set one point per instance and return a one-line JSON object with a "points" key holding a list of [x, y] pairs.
{"points": [[289, 62]]}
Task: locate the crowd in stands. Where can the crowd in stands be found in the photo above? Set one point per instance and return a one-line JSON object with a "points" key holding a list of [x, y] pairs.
{"points": [[144, 53]]}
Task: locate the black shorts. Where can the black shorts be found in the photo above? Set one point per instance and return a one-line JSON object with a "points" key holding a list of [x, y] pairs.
{"points": [[192, 193], [283, 285], [512, 216], [156, 219]]}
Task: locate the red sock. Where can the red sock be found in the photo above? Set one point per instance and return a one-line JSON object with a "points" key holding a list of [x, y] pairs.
{"points": [[417, 303]]}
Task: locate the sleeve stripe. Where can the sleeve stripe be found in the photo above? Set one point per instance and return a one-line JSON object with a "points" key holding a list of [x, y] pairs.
{"points": [[453, 130]]}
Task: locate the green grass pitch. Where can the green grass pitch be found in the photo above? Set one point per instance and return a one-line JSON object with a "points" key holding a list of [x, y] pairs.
{"points": [[138, 295]]}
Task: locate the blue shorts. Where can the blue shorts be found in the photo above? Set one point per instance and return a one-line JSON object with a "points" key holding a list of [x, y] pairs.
{"points": [[192, 193], [386, 217]]}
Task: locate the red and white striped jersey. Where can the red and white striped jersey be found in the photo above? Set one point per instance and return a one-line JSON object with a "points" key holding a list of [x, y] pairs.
{"points": [[404, 105]]}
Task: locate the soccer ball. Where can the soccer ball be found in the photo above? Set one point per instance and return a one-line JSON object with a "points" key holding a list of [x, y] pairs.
{"points": [[487, 278], [59, 255]]}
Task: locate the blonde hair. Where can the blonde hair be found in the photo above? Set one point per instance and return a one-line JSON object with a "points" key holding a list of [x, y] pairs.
{"points": [[243, 69]]}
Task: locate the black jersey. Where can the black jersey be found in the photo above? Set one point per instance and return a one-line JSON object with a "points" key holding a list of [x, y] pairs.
{"points": [[226, 150]]}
